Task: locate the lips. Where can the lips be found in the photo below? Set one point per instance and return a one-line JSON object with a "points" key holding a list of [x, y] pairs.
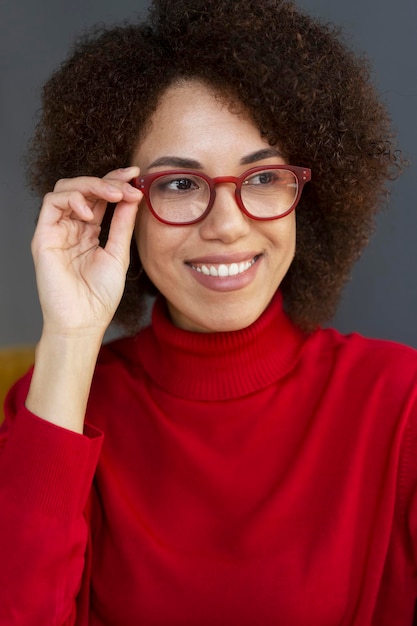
{"points": [[223, 269], [222, 266], [225, 272]]}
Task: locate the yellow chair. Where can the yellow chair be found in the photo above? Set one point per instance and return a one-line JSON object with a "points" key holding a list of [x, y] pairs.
{"points": [[14, 362]]}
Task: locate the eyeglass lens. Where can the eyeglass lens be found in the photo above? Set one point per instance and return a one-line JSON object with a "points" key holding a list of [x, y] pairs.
{"points": [[183, 198], [269, 193], [178, 198]]}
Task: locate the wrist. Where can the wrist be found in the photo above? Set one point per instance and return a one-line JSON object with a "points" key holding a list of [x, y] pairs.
{"points": [[64, 368]]}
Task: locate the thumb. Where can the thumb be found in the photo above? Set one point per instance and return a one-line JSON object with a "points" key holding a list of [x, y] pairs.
{"points": [[121, 231]]}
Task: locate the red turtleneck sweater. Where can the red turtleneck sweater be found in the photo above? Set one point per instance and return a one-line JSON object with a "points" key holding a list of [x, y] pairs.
{"points": [[259, 477]]}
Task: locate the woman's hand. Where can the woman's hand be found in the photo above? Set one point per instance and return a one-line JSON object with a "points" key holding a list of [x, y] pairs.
{"points": [[80, 284]]}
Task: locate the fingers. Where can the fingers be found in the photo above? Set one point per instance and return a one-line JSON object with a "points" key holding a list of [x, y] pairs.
{"points": [[121, 231], [114, 178], [72, 213], [86, 197], [124, 173], [124, 216], [74, 204]]}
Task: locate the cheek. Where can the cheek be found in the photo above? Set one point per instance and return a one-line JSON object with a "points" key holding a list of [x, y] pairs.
{"points": [[157, 243], [284, 235], [147, 240], [292, 236], [291, 230]]}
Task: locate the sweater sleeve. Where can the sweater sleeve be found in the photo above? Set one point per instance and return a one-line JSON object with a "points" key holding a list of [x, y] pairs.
{"points": [[46, 474], [408, 492], [398, 588]]}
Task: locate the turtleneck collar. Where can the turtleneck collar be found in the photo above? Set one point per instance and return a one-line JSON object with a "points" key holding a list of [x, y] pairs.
{"points": [[220, 365]]}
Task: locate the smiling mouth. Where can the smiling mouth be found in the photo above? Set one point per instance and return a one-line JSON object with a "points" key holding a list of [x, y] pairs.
{"points": [[224, 269]]}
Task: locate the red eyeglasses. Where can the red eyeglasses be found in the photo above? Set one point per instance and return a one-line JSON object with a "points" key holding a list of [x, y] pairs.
{"points": [[182, 197]]}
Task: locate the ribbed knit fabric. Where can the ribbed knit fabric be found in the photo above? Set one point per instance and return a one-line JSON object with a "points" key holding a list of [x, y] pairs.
{"points": [[260, 477], [223, 365]]}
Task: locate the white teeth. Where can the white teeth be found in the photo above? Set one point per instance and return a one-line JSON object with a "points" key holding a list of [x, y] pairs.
{"points": [[224, 270]]}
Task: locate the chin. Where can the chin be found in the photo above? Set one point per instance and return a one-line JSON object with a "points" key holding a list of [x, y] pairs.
{"points": [[223, 324], [220, 317], [234, 325]]}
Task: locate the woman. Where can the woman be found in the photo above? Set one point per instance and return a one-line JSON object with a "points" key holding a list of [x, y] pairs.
{"points": [[232, 462]]}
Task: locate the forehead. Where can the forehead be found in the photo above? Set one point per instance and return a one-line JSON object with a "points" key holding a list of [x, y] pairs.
{"points": [[192, 116]]}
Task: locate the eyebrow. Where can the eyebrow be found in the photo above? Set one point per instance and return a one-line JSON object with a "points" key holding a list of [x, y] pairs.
{"points": [[174, 161], [184, 163], [259, 155]]}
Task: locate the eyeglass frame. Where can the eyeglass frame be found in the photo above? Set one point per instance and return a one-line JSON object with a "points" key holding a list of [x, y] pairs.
{"points": [[143, 183]]}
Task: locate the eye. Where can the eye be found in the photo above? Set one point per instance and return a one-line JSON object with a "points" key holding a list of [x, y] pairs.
{"points": [[274, 178], [268, 177], [182, 184], [167, 184]]}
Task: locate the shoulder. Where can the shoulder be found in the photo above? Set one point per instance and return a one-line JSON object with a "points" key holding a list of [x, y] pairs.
{"points": [[360, 358], [356, 346]]}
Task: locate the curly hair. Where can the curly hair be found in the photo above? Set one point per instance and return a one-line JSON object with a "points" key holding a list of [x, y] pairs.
{"points": [[302, 85]]}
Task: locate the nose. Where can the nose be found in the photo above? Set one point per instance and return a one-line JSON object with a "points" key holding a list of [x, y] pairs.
{"points": [[225, 220]]}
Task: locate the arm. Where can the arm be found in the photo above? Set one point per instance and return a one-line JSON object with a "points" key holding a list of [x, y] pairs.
{"points": [[80, 285], [47, 455], [45, 480]]}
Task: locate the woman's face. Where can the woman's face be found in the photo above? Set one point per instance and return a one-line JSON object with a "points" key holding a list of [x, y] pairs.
{"points": [[193, 127]]}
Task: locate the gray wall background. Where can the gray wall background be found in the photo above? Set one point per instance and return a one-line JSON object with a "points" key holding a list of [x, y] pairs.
{"points": [[381, 298]]}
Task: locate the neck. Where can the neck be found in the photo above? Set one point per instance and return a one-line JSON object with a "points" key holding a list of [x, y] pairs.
{"points": [[217, 366]]}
